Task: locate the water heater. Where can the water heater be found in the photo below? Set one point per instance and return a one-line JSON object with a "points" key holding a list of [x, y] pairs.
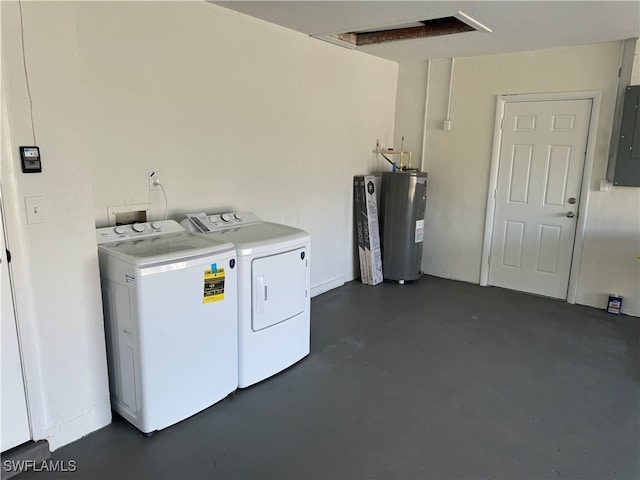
{"points": [[403, 202]]}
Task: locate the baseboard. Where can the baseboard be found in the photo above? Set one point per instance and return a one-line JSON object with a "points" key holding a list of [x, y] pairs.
{"points": [[326, 286], [96, 417]]}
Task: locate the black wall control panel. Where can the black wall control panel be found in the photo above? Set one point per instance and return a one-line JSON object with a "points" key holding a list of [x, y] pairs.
{"points": [[30, 159], [627, 170]]}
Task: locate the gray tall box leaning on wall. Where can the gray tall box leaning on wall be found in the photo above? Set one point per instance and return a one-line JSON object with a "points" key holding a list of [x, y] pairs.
{"points": [[403, 202], [365, 188]]}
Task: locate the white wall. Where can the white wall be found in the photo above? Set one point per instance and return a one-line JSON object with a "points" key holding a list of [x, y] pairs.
{"points": [[236, 114], [458, 161], [54, 264]]}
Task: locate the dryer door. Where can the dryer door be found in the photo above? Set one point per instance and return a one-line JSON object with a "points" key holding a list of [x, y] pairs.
{"points": [[279, 288]]}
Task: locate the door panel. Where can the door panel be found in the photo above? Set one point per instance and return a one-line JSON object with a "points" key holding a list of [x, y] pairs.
{"points": [[541, 164], [557, 174], [548, 242], [278, 288], [513, 238], [520, 173], [563, 123]]}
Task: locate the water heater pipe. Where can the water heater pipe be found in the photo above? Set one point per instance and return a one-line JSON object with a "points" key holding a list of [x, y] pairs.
{"points": [[426, 109], [453, 63]]}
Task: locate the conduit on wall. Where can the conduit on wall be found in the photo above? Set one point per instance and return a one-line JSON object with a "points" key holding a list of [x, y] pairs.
{"points": [[426, 109], [447, 122]]}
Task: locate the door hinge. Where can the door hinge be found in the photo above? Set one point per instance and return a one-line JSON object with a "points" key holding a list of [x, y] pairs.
{"points": [[489, 260], [8, 256], [495, 191], [502, 124]]}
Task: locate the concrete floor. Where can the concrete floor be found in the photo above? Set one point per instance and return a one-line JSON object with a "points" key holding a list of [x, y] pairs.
{"points": [[434, 379]]}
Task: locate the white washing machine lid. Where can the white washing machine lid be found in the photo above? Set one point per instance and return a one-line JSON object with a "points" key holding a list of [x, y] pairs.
{"points": [[261, 237], [165, 248]]}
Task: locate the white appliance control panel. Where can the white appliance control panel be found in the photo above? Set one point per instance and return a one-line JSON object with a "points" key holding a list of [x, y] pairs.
{"points": [[207, 223], [137, 230]]}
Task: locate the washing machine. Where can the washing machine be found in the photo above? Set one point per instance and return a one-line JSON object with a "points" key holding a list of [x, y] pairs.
{"points": [[170, 310], [274, 307]]}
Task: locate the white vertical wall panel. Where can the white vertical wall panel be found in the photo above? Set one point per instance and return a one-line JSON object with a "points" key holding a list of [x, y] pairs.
{"points": [[55, 263]]}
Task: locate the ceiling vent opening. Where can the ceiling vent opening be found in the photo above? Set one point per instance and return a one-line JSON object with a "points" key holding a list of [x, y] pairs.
{"points": [[427, 28], [459, 23]]}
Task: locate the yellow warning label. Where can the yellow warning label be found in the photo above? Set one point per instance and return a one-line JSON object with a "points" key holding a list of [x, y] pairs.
{"points": [[213, 286]]}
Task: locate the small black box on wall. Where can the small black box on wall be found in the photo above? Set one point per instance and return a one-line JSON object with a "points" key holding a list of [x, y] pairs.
{"points": [[30, 159]]}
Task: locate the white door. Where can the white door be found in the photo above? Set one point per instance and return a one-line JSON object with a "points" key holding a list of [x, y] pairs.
{"points": [[15, 422], [539, 179], [279, 288]]}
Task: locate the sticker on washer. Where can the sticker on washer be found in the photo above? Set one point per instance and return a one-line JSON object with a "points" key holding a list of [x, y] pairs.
{"points": [[129, 279], [419, 230], [213, 285]]}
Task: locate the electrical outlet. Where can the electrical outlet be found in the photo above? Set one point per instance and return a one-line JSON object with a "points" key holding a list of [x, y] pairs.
{"points": [[154, 177]]}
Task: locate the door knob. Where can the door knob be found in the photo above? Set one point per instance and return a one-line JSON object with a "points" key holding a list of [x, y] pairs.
{"points": [[571, 201], [571, 214]]}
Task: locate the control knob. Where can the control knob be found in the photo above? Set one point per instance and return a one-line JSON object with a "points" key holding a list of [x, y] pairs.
{"points": [[155, 226], [226, 217], [119, 230], [238, 216], [138, 227]]}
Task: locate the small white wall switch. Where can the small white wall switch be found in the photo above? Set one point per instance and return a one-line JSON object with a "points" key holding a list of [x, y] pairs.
{"points": [[446, 126], [34, 206]]}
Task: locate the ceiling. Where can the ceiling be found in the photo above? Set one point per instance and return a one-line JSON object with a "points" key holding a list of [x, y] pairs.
{"points": [[515, 25]]}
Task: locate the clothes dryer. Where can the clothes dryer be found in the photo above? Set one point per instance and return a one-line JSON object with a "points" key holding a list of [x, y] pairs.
{"points": [[273, 290], [170, 310]]}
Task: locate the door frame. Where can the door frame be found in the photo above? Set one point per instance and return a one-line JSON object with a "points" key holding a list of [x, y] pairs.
{"points": [[14, 319], [501, 102]]}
